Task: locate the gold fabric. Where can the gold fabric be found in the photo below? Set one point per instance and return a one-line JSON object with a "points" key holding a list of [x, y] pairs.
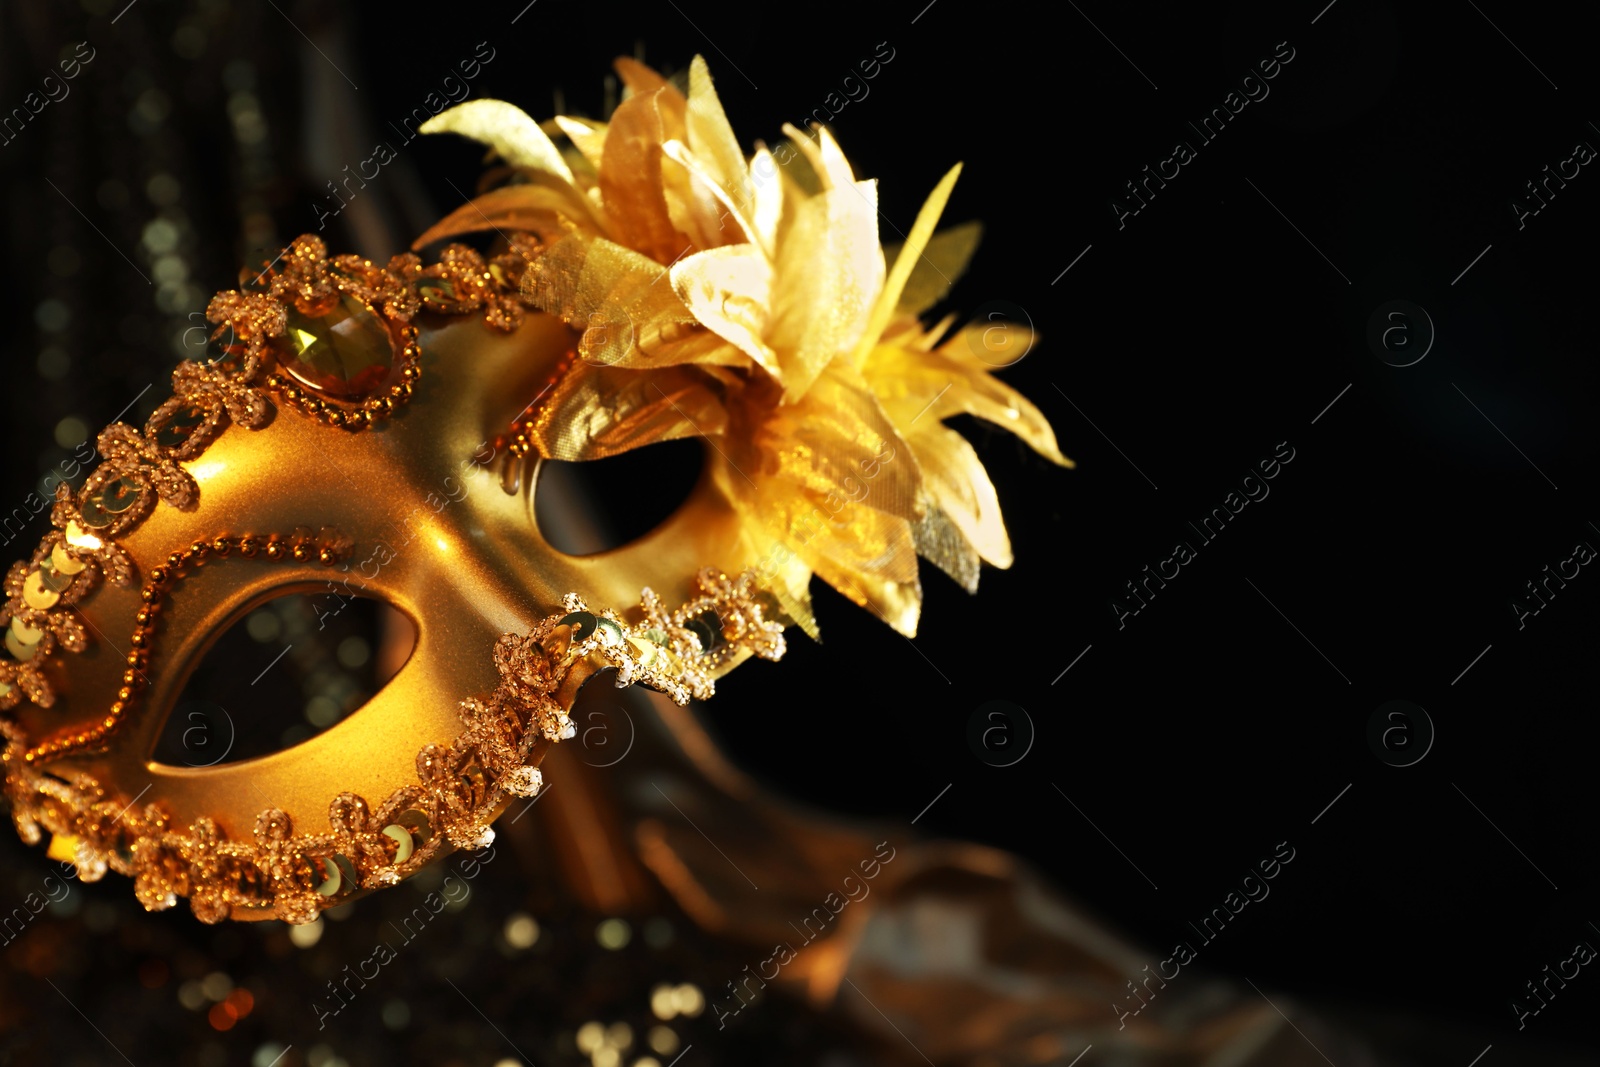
{"points": [[750, 302]]}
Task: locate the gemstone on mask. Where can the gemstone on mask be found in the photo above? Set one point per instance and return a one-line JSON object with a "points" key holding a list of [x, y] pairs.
{"points": [[348, 870], [345, 354], [117, 496]]}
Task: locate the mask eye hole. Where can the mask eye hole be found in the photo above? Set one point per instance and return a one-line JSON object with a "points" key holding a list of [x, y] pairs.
{"points": [[583, 509], [285, 672]]}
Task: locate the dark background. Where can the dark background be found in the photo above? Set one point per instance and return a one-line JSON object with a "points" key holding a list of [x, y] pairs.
{"points": [[1229, 713]]}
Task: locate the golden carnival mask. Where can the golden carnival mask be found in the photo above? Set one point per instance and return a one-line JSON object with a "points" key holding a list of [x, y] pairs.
{"points": [[375, 431]]}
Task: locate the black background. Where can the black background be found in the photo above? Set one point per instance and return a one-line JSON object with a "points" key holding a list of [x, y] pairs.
{"points": [[1220, 320]]}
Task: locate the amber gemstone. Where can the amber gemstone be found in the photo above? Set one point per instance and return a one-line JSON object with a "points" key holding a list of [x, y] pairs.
{"points": [[344, 354]]}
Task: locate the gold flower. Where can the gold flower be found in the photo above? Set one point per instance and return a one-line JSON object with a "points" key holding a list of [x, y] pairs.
{"points": [[749, 301]]}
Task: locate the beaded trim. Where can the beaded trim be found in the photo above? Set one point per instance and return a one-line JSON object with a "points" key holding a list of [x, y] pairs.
{"points": [[329, 547], [460, 786]]}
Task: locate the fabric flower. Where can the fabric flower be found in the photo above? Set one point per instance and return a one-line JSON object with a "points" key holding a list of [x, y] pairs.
{"points": [[749, 301]]}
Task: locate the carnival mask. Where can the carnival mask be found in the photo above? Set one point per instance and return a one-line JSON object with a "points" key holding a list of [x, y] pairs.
{"points": [[374, 430]]}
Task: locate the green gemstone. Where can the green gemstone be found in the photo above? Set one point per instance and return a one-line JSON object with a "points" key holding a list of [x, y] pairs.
{"points": [[345, 354]]}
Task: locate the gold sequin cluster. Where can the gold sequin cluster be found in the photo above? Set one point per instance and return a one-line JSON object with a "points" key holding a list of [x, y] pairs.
{"points": [[460, 787]]}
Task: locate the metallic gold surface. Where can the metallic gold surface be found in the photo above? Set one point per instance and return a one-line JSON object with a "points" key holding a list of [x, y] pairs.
{"points": [[681, 291], [435, 536]]}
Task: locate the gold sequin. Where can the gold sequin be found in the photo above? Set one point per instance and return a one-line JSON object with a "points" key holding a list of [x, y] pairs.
{"points": [[28, 635], [95, 516], [53, 577], [64, 563], [17, 648], [118, 496], [402, 841], [36, 595], [332, 878], [78, 537]]}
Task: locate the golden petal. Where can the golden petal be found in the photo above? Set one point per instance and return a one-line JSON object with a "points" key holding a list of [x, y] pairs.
{"points": [[508, 130], [709, 214], [990, 345], [547, 212], [912, 386], [766, 211], [729, 289], [594, 412], [825, 157], [670, 345], [942, 262], [921, 230], [631, 180], [639, 79], [618, 297], [898, 603], [954, 476], [712, 140], [828, 272], [589, 138], [942, 544], [838, 445], [866, 554], [930, 337]]}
